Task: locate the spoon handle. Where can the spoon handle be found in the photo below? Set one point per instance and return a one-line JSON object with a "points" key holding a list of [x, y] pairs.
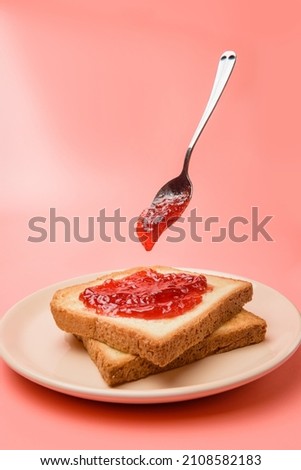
{"points": [[225, 67]]}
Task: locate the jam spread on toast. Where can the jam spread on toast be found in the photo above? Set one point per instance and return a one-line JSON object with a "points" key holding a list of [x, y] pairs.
{"points": [[158, 217], [147, 294]]}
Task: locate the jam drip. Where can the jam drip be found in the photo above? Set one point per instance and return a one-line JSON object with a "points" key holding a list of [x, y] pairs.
{"points": [[158, 217], [147, 294]]}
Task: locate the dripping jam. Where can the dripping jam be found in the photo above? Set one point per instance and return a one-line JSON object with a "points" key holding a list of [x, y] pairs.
{"points": [[147, 294], [158, 217]]}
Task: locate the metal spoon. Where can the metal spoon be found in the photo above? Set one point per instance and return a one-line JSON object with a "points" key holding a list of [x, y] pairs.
{"points": [[172, 199]]}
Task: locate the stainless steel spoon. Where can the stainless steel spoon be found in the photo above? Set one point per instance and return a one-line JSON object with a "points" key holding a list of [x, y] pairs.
{"points": [[172, 199]]}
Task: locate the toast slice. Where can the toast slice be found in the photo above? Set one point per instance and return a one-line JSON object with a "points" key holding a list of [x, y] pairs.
{"points": [[117, 368], [161, 340]]}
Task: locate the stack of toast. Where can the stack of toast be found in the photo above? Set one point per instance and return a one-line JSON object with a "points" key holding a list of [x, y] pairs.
{"points": [[125, 349]]}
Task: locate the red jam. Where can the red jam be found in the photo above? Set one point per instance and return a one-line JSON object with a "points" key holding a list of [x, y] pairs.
{"points": [[147, 294], [158, 217]]}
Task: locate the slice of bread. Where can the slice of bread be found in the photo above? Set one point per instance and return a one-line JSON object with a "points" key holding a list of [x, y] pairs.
{"points": [[117, 368], [161, 340]]}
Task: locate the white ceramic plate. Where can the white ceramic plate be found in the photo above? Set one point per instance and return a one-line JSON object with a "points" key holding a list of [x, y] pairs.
{"points": [[32, 345]]}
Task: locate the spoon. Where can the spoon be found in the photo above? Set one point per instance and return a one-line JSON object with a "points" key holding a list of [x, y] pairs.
{"points": [[172, 199]]}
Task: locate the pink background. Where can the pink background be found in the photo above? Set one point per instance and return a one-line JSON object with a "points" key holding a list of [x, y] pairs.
{"points": [[98, 103]]}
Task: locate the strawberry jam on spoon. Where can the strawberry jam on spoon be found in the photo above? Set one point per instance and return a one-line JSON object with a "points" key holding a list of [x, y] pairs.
{"points": [[173, 198], [159, 216]]}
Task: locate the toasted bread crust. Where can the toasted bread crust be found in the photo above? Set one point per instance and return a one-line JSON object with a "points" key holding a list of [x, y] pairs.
{"points": [[242, 330], [124, 336]]}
